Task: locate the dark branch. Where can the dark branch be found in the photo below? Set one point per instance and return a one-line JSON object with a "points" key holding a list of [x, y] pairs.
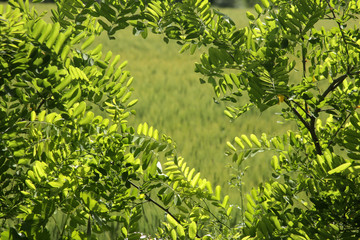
{"points": [[340, 28], [305, 111], [338, 130], [298, 115], [314, 136], [309, 126], [333, 85]]}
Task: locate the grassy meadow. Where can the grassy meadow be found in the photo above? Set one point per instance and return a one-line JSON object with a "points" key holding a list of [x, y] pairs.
{"points": [[172, 100]]}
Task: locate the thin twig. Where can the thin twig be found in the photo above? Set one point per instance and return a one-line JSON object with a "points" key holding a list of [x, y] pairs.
{"points": [[340, 28], [338, 130], [217, 219], [147, 197]]}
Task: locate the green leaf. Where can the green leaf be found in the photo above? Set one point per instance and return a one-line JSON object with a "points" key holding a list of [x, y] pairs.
{"points": [[65, 52], [195, 180], [56, 184], [184, 48], [228, 114], [340, 168], [45, 33], [225, 201], [53, 35], [246, 139], [74, 97], [145, 129], [101, 64], [38, 27], [124, 231], [76, 39], [50, 117], [79, 109], [88, 42], [87, 119], [250, 15], [231, 146], [192, 230], [255, 140], [96, 50], [217, 192], [126, 97], [30, 184], [275, 163], [265, 3], [239, 142], [258, 9], [173, 234], [276, 222], [171, 220], [180, 231]]}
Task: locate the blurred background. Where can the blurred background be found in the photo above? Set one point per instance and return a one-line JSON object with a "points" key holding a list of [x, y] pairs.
{"points": [[234, 3], [218, 3]]}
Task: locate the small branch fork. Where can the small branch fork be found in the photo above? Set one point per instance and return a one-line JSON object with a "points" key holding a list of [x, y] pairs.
{"points": [[339, 25], [309, 126]]}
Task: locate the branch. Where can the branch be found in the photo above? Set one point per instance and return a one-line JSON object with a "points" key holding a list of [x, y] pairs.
{"points": [[334, 85], [147, 197], [298, 115], [303, 57], [305, 111], [314, 136], [217, 219], [309, 126], [338, 130], [340, 28]]}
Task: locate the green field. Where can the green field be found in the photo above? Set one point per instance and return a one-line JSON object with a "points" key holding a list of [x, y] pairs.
{"points": [[172, 100]]}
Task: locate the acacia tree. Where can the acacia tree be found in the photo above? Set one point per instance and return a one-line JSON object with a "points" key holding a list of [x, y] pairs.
{"points": [[315, 190], [67, 173], [57, 156]]}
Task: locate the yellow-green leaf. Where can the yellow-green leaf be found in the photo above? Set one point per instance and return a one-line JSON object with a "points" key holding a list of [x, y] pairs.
{"points": [[79, 109], [340, 168], [88, 42], [195, 180], [255, 140], [30, 184], [192, 230], [87, 119], [246, 139]]}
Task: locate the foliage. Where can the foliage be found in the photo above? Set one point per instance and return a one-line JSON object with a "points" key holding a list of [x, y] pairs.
{"points": [[93, 170], [59, 159], [314, 192]]}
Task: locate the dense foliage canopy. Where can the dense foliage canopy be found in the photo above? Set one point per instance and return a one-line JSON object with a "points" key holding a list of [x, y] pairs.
{"points": [[60, 159]]}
